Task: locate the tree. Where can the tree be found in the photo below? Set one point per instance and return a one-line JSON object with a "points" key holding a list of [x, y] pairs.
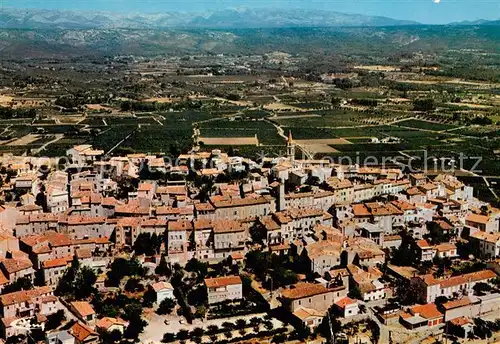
{"points": [[330, 324], [481, 287], [168, 338], [241, 323], [194, 265], [212, 329], [279, 338], [149, 298], [404, 255], [258, 233], [482, 328], [144, 244], [84, 283], [182, 334], [65, 285], [355, 293], [55, 320], [134, 285], [228, 326], [408, 293], [166, 306], [197, 296], [133, 313], [111, 337], [122, 267], [22, 283], [424, 105], [163, 269], [228, 334], [197, 332], [200, 311], [440, 300], [268, 324]]}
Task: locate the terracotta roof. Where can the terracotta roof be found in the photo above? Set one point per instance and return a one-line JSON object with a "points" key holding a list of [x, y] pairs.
{"points": [[203, 207], [83, 308], [167, 210], [74, 220], [464, 301], [460, 321], [81, 332], [446, 246], [30, 207], [180, 225], [477, 218], [106, 322], [423, 244], [228, 226], [50, 237], [269, 223], [304, 313], [3, 279], [57, 262], [128, 222], [13, 265], [428, 311], [472, 277], [322, 248], [83, 253], [24, 295], [222, 281], [342, 303], [109, 201], [227, 202], [161, 286], [301, 290], [200, 224], [360, 210], [392, 238], [489, 237]]}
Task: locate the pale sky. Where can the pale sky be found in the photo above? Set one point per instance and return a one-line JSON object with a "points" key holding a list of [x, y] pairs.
{"points": [[424, 11]]}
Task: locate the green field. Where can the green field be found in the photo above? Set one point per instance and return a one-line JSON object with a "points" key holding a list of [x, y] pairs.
{"points": [[415, 123]]}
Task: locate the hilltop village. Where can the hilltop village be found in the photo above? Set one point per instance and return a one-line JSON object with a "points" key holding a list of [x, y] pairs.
{"points": [[216, 248]]}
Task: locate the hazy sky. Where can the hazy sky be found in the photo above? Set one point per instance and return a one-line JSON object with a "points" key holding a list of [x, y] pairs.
{"points": [[425, 11]]}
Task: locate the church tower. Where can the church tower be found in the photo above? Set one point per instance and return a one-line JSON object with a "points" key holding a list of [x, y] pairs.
{"points": [[290, 148]]}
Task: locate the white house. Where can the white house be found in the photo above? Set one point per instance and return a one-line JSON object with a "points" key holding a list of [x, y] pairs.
{"points": [[163, 290]]}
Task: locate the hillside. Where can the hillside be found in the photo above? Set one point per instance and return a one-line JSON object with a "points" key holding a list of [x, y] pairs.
{"points": [[19, 43]]}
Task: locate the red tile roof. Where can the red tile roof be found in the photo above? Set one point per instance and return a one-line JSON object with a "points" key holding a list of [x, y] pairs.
{"points": [[301, 290], [222, 281], [428, 311]]}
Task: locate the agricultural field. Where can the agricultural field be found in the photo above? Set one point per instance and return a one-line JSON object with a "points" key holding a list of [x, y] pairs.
{"points": [[266, 132], [353, 106], [426, 125]]}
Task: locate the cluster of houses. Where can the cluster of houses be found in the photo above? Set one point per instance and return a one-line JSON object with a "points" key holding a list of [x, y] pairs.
{"points": [[344, 225]]}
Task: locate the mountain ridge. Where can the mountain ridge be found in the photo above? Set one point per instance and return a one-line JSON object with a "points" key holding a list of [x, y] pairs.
{"points": [[224, 19]]}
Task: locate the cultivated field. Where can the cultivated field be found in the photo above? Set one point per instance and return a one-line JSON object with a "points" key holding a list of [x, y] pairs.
{"points": [[229, 141]]}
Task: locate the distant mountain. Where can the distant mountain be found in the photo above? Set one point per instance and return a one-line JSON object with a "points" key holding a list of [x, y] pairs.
{"points": [[359, 41], [227, 19], [480, 22]]}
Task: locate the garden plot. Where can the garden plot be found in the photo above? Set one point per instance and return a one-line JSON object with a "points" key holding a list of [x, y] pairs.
{"points": [[282, 107], [230, 141], [322, 145]]}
